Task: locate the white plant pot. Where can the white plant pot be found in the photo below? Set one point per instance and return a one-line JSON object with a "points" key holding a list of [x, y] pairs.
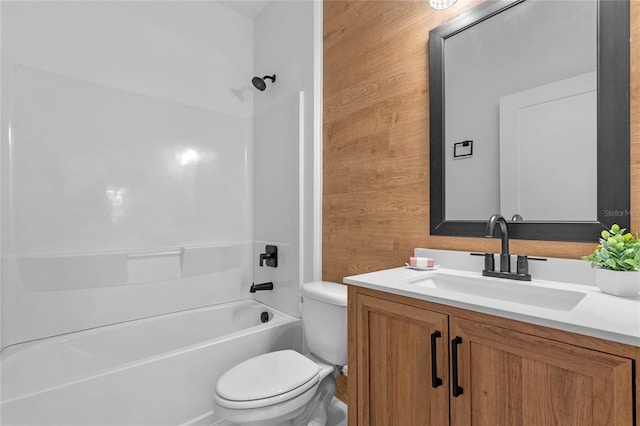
{"points": [[618, 283]]}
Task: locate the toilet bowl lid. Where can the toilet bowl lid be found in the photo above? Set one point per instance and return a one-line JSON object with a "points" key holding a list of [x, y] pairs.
{"points": [[266, 376]]}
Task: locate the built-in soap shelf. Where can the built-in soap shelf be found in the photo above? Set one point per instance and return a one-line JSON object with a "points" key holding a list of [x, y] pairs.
{"points": [[162, 253], [75, 271]]}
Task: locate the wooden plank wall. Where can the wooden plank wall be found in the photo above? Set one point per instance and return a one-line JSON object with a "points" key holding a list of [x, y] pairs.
{"points": [[376, 136]]}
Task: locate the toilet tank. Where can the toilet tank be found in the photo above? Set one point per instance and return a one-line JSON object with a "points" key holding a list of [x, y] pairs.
{"points": [[324, 317]]}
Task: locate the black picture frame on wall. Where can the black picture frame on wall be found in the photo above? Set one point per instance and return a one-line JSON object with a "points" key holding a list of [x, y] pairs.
{"points": [[613, 130]]}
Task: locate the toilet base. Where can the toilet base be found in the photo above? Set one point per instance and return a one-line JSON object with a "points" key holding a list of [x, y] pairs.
{"points": [[315, 413]]}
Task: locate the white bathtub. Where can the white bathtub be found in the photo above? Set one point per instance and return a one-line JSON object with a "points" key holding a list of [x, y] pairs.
{"points": [[154, 371]]}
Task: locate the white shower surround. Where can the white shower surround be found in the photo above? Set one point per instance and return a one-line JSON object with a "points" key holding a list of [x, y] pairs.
{"points": [[193, 57]]}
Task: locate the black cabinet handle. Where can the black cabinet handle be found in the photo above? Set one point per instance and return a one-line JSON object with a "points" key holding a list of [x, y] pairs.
{"points": [[456, 389], [435, 380]]}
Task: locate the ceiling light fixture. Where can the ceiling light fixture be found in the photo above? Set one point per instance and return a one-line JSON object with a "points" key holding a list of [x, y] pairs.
{"points": [[441, 4]]}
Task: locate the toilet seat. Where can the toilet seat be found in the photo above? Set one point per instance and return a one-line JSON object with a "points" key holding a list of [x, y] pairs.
{"points": [[267, 379]]}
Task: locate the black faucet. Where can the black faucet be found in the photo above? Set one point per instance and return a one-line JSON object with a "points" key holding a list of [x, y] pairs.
{"points": [[522, 273], [505, 259]]}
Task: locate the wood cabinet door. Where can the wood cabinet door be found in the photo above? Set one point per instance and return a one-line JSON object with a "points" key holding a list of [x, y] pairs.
{"points": [[396, 383], [511, 378]]}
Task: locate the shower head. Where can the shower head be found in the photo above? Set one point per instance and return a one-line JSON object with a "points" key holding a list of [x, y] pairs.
{"points": [[260, 84]]}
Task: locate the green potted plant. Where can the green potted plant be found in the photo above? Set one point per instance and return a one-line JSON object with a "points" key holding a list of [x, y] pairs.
{"points": [[617, 262]]}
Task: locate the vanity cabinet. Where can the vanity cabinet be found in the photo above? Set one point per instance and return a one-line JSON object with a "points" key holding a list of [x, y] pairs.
{"points": [[513, 378], [396, 359], [489, 370]]}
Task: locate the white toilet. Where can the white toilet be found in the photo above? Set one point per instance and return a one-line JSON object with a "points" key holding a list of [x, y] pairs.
{"points": [[285, 387]]}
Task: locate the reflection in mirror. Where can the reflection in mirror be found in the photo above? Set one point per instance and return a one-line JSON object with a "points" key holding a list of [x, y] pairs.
{"points": [[510, 88], [526, 83]]}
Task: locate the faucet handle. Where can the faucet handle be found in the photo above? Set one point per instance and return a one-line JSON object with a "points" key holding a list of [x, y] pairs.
{"points": [[522, 265], [489, 262], [270, 256]]}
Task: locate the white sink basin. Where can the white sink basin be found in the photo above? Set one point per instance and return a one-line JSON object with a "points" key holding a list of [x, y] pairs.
{"points": [[502, 289]]}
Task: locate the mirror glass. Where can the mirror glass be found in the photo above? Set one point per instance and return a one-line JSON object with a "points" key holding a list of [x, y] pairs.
{"points": [[521, 87], [517, 97]]}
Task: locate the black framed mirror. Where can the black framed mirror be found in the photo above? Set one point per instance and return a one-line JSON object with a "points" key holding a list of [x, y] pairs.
{"points": [[611, 202]]}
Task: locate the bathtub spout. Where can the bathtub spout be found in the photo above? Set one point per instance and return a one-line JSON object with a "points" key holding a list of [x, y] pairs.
{"points": [[263, 286]]}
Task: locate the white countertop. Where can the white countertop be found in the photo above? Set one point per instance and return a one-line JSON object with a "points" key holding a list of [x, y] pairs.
{"points": [[596, 314]]}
